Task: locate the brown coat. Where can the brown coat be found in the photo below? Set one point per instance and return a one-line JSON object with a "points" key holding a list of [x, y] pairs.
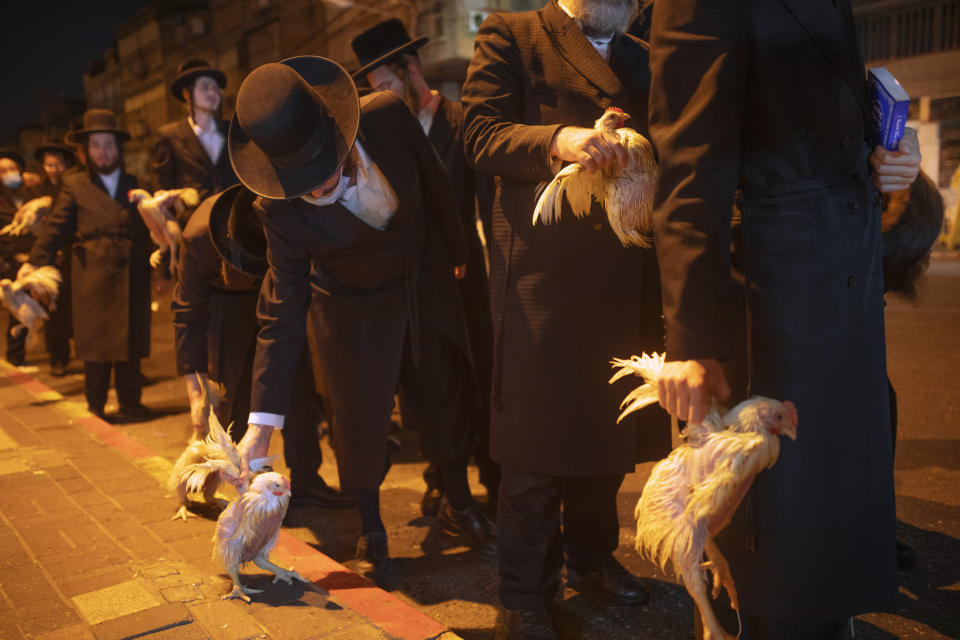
{"points": [[566, 297]]}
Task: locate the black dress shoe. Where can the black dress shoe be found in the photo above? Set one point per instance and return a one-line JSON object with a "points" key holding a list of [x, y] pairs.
{"points": [[318, 494], [374, 561], [430, 502], [472, 524], [610, 581], [524, 624], [58, 369], [132, 413], [906, 556]]}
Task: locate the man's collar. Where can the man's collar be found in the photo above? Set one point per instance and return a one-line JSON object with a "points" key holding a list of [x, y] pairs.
{"points": [[198, 129]]}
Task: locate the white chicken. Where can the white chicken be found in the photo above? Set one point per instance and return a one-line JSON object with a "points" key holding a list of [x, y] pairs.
{"points": [[44, 283], [28, 218], [625, 193], [693, 493], [157, 213], [248, 528]]}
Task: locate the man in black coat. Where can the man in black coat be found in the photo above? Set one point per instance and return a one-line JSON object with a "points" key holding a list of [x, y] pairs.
{"points": [[110, 271], [222, 264], [565, 297], [390, 63], [13, 195], [766, 99], [56, 158], [192, 151]]}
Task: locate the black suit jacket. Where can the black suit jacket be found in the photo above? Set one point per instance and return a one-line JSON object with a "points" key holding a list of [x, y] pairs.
{"points": [[764, 101], [110, 270], [566, 297], [180, 161]]}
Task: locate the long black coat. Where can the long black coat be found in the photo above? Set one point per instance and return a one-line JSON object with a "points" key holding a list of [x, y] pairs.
{"points": [[61, 317], [566, 297], [366, 290], [180, 161], [768, 97], [110, 271], [10, 246], [446, 136]]}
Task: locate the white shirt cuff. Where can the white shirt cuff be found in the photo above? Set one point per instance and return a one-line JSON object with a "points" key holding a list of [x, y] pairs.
{"points": [[274, 420]]}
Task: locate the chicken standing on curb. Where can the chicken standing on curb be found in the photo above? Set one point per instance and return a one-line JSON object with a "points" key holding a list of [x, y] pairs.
{"points": [[28, 218], [693, 493], [248, 528], [156, 213], [625, 192], [44, 283]]}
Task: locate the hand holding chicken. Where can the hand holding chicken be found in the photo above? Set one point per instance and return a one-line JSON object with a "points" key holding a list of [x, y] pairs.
{"points": [[693, 493], [21, 296], [158, 212], [28, 218]]}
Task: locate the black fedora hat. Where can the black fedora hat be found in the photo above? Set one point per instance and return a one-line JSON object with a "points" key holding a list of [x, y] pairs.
{"points": [[238, 237], [51, 146], [381, 43], [294, 125], [190, 70], [96, 121], [13, 154]]}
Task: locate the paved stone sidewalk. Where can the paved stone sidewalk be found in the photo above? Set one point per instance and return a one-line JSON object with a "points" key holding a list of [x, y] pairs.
{"points": [[88, 550]]}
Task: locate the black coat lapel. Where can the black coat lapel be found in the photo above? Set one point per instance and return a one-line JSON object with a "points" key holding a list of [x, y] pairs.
{"points": [[192, 142], [833, 36], [441, 131], [574, 46]]}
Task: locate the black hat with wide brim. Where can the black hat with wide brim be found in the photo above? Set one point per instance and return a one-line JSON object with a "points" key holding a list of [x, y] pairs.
{"points": [[13, 154], [96, 121], [294, 125], [50, 146], [192, 69], [238, 238], [382, 43]]}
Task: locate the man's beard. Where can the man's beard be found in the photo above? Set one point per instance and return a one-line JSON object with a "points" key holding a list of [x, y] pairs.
{"points": [[602, 17], [105, 169]]}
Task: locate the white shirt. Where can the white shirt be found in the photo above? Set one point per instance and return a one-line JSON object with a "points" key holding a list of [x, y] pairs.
{"points": [[602, 45], [210, 138], [428, 111], [372, 200], [110, 181]]}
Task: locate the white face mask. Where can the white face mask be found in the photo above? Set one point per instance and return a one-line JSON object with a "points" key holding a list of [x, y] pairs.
{"points": [[331, 197], [12, 180]]}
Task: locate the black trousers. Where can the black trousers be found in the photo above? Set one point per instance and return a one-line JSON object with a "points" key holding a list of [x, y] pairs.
{"points": [[758, 628], [16, 345], [531, 541], [126, 382], [57, 336], [301, 440]]}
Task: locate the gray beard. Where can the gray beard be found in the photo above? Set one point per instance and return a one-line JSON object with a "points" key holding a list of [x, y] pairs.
{"points": [[602, 18]]}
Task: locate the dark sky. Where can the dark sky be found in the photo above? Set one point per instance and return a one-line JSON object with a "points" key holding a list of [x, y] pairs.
{"points": [[43, 47]]}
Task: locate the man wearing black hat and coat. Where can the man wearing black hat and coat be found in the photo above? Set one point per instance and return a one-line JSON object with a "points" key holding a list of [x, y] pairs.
{"points": [[222, 264], [55, 158], [390, 63], [362, 239], [566, 298], [192, 151], [13, 195], [110, 271]]}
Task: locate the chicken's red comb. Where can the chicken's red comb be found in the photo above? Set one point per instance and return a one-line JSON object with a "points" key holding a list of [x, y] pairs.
{"points": [[617, 110]]}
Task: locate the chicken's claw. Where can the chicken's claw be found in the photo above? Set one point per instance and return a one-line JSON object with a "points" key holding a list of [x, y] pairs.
{"points": [[183, 513], [241, 593], [288, 576]]}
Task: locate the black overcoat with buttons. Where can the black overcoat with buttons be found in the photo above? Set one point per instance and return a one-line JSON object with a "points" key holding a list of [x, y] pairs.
{"points": [[567, 297], [766, 99]]}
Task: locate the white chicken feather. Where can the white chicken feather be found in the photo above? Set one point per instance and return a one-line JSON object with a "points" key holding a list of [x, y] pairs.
{"points": [[692, 494], [28, 218], [44, 282], [625, 193], [157, 213]]}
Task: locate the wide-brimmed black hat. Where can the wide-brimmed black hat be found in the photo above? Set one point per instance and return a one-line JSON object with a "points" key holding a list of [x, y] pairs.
{"points": [[13, 154], [238, 237], [381, 43], [192, 69], [97, 121], [294, 125], [51, 146]]}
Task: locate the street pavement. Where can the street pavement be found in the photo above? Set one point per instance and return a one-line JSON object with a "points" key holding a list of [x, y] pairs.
{"points": [[87, 548]]}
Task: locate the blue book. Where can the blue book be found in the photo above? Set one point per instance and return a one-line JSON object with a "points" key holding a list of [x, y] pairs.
{"points": [[890, 106]]}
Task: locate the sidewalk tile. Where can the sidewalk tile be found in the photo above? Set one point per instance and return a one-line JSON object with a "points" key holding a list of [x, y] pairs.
{"points": [[114, 602], [27, 586], [45, 616], [149, 621], [9, 629], [108, 577], [184, 594], [73, 632], [358, 632], [226, 619]]}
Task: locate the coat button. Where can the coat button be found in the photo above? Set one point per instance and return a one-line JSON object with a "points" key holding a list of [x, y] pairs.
{"points": [[877, 200], [598, 226], [844, 142], [852, 281], [852, 208]]}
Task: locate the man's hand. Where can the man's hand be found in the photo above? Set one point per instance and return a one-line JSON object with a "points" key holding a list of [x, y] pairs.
{"points": [[588, 147], [686, 387], [896, 170], [460, 272], [254, 444], [25, 270]]}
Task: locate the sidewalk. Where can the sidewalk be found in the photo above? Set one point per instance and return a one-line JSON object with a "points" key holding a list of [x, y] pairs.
{"points": [[88, 550]]}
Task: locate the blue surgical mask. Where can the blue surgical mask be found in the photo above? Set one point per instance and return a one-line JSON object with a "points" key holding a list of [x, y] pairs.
{"points": [[12, 180]]}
